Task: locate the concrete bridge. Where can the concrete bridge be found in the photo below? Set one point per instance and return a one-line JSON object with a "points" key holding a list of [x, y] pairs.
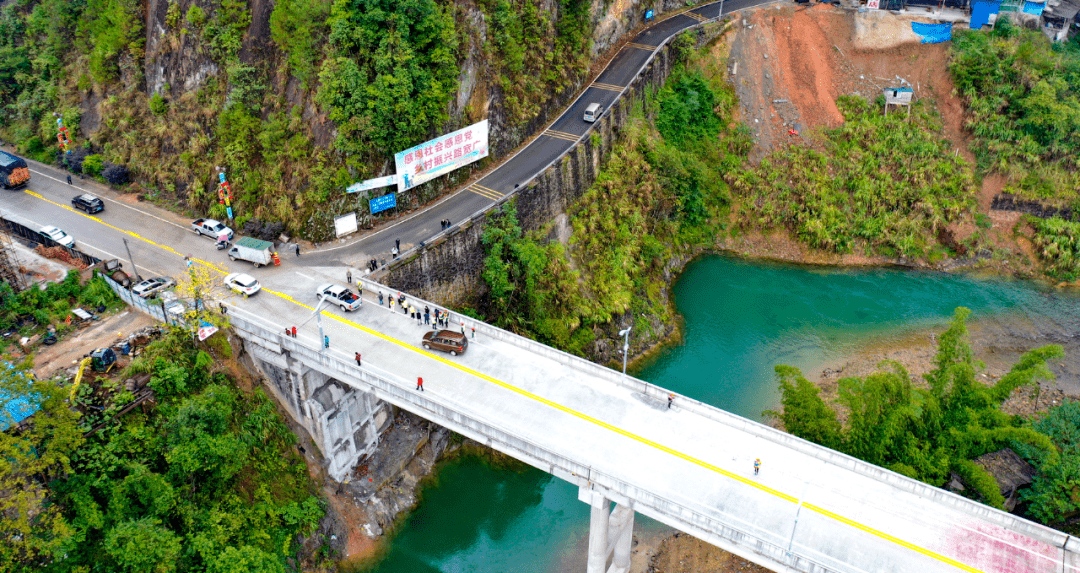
{"points": [[690, 466]]}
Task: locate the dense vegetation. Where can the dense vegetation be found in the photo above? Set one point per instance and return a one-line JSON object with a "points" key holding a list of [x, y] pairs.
{"points": [[930, 431], [660, 192], [1058, 246], [207, 480], [385, 73], [1023, 97], [878, 184], [33, 310]]}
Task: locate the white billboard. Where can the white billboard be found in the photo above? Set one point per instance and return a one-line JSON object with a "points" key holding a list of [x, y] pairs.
{"points": [[372, 184], [345, 224], [441, 155]]}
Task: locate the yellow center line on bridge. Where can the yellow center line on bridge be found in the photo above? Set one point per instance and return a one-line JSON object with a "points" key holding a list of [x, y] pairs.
{"points": [[580, 415]]}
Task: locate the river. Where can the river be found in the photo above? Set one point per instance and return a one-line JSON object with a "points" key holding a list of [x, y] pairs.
{"points": [[742, 318]]}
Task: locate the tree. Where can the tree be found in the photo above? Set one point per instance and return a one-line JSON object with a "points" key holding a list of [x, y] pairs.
{"points": [[246, 559], [143, 545], [202, 284], [922, 433], [31, 526]]}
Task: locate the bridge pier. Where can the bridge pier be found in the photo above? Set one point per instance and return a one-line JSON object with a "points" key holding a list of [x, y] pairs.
{"points": [[611, 533]]}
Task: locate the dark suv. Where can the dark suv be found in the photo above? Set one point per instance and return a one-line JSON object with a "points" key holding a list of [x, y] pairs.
{"points": [[89, 203], [446, 340]]}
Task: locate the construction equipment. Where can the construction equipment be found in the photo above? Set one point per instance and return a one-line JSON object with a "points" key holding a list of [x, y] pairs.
{"points": [[112, 269], [103, 360]]}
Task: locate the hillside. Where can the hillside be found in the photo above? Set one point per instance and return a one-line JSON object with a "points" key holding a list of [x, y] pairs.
{"points": [[294, 99]]}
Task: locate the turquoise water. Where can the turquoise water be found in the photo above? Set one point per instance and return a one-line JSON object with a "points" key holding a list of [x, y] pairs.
{"points": [[742, 318]]}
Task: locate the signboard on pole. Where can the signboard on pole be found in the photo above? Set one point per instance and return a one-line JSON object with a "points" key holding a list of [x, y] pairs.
{"points": [[388, 201], [372, 184], [441, 155], [873, 4], [205, 330], [345, 224]]}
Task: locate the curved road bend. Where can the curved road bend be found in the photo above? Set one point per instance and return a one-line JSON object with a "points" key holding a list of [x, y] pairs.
{"points": [[166, 231]]}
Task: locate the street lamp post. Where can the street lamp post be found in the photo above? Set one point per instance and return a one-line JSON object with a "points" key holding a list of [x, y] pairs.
{"points": [[625, 333]]}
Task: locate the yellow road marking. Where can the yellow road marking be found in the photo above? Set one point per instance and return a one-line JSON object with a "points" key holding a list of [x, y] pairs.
{"points": [[560, 135], [641, 46], [484, 192], [697, 17], [609, 87], [575, 413]]}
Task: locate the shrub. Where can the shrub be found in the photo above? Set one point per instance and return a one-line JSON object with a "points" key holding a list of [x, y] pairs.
{"points": [[196, 16], [76, 158], [93, 164], [158, 105]]}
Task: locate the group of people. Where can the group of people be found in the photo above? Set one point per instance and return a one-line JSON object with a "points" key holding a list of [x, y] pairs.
{"points": [[372, 265], [440, 319], [445, 223]]}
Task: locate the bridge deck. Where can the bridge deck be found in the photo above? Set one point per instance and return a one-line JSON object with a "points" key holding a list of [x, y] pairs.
{"points": [[825, 508]]}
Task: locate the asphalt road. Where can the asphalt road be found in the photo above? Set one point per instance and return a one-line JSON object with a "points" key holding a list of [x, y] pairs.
{"points": [[158, 239]]}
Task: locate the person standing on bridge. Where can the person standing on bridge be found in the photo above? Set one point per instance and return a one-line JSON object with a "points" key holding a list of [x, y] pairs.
{"points": [[419, 383], [391, 304], [348, 276], [394, 251], [670, 400], [757, 466], [427, 314], [419, 318], [397, 244], [358, 359]]}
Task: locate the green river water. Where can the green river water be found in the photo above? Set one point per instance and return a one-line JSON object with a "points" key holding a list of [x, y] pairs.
{"points": [[742, 318]]}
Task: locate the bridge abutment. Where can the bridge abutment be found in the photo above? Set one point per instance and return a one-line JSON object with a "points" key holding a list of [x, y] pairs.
{"points": [[343, 421]]}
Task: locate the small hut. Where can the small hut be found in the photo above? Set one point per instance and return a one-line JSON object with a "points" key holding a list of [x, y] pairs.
{"points": [[1009, 470], [898, 97]]}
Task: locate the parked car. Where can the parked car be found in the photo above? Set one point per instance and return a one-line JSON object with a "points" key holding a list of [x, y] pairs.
{"points": [[447, 341], [243, 284], [58, 236], [150, 287], [89, 203], [339, 295], [211, 228]]}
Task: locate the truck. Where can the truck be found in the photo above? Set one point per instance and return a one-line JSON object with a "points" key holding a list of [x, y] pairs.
{"points": [[13, 171], [211, 228], [253, 250], [339, 295]]}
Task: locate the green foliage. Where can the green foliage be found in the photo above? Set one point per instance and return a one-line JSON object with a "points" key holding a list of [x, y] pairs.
{"points": [[1054, 495], [158, 105], [112, 27], [92, 164], [172, 15], [299, 28], [1023, 108], [924, 433], [1058, 246], [653, 196], [195, 16], [391, 71], [207, 481], [32, 527], [889, 183], [35, 309], [224, 32]]}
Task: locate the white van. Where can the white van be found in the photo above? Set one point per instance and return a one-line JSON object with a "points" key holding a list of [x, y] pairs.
{"points": [[592, 112]]}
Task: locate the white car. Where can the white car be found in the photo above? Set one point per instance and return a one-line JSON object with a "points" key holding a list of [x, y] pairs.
{"points": [[58, 236], [340, 296], [243, 284]]}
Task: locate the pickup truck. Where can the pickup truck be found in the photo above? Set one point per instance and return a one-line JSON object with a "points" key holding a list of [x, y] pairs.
{"points": [[340, 296], [253, 251], [211, 228]]}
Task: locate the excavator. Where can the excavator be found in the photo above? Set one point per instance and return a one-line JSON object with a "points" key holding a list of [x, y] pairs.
{"points": [[100, 360]]}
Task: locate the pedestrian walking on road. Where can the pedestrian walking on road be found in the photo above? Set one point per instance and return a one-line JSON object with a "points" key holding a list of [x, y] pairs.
{"points": [[358, 359], [419, 383], [757, 465], [69, 179], [394, 252], [670, 399], [397, 244], [348, 276], [298, 249]]}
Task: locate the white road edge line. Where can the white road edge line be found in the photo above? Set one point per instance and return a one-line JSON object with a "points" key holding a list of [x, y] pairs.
{"points": [[116, 202]]}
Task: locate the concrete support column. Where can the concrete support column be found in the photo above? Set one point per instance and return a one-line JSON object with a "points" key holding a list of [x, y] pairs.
{"points": [[621, 535], [598, 532]]}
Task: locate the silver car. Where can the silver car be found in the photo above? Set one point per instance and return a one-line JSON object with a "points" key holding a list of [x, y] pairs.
{"points": [[58, 235], [150, 287]]}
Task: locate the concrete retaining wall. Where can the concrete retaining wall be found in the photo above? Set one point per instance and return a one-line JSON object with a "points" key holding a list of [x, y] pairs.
{"points": [[448, 268]]}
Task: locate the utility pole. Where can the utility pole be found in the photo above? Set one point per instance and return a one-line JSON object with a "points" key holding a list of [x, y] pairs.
{"points": [[625, 333], [134, 269]]}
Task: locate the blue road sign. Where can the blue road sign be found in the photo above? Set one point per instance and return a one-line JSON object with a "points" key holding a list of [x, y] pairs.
{"points": [[388, 201], [648, 14]]}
